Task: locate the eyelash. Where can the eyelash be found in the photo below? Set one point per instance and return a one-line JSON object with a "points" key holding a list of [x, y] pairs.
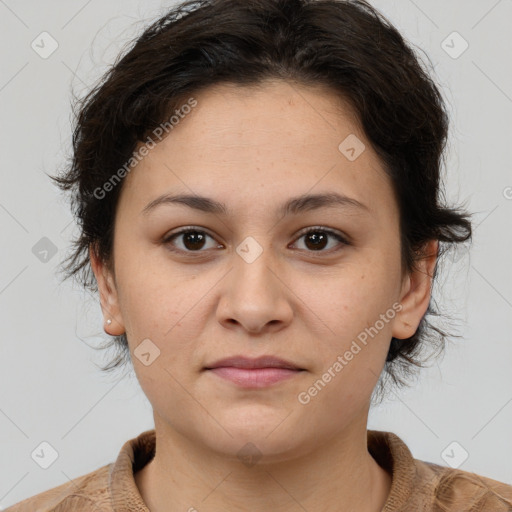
{"points": [[167, 240]]}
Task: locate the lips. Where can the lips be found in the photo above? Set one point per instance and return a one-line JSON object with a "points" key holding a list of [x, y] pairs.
{"points": [[254, 373], [253, 363]]}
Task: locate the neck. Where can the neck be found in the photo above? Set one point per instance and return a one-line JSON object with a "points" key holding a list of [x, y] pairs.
{"points": [[339, 475]]}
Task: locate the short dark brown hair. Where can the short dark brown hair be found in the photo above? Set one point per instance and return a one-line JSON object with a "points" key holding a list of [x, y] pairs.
{"points": [[345, 45]]}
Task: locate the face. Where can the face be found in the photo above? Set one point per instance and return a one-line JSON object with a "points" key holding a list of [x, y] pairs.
{"points": [[318, 284]]}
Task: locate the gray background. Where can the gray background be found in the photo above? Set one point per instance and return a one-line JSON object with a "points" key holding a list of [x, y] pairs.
{"points": [[50, 389]]}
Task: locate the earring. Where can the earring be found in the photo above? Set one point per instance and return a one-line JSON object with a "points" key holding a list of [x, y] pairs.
{"points": [[109, 321]]}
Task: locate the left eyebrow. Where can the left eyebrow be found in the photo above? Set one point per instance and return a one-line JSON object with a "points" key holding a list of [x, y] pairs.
{"points": [[293, 206]]}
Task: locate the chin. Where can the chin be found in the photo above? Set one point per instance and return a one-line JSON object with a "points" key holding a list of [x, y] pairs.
{"points": [[273, 434]]}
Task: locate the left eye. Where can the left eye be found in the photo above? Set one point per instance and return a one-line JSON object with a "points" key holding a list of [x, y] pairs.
{"points": [[317, 238], [194, 240]]}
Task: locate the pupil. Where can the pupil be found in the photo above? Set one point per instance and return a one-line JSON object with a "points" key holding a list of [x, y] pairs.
{"points": [[194, 240], [318, 241]]}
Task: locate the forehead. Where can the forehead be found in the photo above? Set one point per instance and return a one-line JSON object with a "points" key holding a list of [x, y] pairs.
{"points": [[252, 115], [261, 142]]}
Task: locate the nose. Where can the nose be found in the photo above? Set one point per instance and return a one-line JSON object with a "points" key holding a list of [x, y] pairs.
{"points": [[255, 297]]}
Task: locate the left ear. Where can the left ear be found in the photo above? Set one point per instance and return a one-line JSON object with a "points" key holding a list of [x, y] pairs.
{"points": [[416, 292]]}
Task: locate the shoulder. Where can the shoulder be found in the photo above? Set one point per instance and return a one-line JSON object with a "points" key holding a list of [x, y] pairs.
{"points": [[110, 487], [87, 492], [427, 486], [452, 489]]}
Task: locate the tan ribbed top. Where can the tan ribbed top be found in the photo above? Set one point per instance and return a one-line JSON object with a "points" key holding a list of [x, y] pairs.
{"points": [[417, 486]]}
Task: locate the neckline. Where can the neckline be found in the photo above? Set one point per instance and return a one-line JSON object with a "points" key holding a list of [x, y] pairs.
{"points": [[388, 450], [393, 455]]}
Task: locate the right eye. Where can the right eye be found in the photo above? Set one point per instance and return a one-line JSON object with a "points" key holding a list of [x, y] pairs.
{"points": [[191, 240]]}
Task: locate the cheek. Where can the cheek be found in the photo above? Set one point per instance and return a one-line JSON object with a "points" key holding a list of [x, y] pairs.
{"points": [[149, 297], [354, 314], [350, 299], [165, 304], [351, 347]]}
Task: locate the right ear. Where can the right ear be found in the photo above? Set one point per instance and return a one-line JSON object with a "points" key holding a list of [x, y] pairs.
{"points": [[108, 294]]}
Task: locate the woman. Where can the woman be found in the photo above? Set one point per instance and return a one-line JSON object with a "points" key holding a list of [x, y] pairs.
{"points": [[258, 188]]}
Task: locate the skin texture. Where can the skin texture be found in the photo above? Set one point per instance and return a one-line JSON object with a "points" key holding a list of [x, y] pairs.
{"points": [[253, 148]]}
